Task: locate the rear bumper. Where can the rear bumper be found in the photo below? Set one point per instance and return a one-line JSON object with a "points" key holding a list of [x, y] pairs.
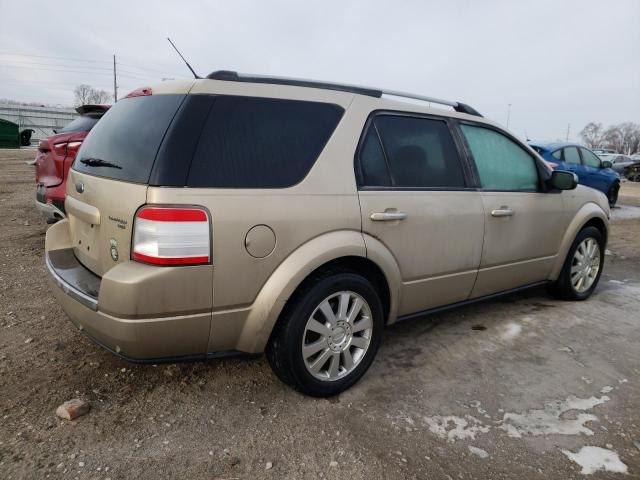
{"points": [[133, 335]]}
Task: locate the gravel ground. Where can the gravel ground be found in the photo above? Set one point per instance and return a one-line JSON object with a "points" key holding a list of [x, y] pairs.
{"points": [[512, 388]]}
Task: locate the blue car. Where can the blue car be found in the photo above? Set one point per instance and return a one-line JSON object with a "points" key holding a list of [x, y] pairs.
{"points": [[591, 170]]}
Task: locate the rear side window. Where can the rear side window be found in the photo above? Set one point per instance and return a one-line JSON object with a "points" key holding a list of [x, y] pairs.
{"points": [[557, 154], [251, 142], [124, 143], [410, 152], [502, 164], [571, 155]]}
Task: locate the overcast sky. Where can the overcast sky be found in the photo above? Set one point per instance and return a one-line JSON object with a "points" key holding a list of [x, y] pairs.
{"points": [[556, 62]]}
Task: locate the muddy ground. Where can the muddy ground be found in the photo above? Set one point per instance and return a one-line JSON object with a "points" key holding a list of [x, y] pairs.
{"points": [[511, 388]]}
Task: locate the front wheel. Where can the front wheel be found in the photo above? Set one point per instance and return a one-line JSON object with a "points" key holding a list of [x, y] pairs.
{"points": [[612, 194], [328, 334], [582, 268]]}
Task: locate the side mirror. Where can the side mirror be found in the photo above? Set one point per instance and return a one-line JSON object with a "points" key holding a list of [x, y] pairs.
{"points": [[606, 164], [562, 180]]}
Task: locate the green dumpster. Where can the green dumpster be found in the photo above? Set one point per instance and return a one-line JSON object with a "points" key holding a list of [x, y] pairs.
{"points": [[9, 135]]}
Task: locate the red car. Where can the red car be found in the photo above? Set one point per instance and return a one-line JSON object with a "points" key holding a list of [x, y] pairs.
{"points": [[55, 156]]}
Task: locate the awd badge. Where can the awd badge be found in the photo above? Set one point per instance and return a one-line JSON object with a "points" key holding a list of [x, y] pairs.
{"points": [[114, 249]]}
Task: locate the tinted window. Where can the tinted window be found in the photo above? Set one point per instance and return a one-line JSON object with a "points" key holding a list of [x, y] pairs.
{"points": [[374, 166], [124, 143], [81, 124], [590, 159], [420, 153], [557, 154], [502, 164], [571, 155], [260, 142]]}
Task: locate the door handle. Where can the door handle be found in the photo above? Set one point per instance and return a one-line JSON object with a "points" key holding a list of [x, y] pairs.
{"points": [[502, 212], [387, 216]]}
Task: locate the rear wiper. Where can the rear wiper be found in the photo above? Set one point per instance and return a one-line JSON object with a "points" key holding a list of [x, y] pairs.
{"points": [[98, 162]]}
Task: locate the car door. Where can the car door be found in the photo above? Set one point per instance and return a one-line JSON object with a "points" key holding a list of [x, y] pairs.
{"points": [[571, 159], [416, 200], [592, 167], [523, 224]]}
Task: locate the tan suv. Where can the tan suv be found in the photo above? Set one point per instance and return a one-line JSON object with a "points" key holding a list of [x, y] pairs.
{"points": [[239, 214]]}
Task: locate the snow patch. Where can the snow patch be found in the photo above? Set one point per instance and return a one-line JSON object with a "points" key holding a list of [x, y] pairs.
{"points": [[454, 428], [625, 212], [606, 389], [593, 459], [512, 331], [550, 421], [478, 451]]}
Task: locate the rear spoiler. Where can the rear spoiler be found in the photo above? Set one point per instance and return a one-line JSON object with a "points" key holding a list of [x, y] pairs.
{"points": [[85, 109]]}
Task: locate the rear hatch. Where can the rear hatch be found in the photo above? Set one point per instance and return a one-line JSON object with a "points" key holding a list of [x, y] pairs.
{"points": [[108, 181]]}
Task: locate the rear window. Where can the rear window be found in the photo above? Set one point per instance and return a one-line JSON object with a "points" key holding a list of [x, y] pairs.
{"points": [[249, 142], [81, 124], [123, 145]]}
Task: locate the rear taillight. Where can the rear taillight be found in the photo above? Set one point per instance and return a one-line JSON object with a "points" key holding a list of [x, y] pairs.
{"points": [[171, 236], [552, 164], [64, 149]]}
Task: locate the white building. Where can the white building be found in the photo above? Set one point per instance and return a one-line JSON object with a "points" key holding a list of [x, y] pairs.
{"points": [[44, 120]]}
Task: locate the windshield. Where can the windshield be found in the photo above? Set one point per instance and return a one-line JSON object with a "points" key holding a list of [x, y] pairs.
{"points": [[123, 146], [81, 124]]}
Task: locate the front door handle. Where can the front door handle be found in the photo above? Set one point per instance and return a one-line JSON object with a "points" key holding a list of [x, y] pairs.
{"points": [[502, 212], [387, 216]]}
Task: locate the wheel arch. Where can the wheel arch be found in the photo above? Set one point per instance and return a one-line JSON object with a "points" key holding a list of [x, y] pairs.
{"points": [[589, 214], [335, 250]]}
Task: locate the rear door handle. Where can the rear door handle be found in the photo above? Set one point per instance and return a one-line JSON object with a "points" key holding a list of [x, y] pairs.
{"points": [[502, 212], [387, 216]]}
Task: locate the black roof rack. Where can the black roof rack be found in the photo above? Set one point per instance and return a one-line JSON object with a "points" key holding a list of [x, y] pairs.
{"points": [[231, 76]]}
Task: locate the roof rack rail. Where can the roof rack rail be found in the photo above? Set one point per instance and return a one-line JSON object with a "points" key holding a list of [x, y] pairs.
{"points": [[231, 76]]}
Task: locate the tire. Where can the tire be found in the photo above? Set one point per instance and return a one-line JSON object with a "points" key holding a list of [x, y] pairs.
{"points": [[612, 194], [564, 287], [285, 348]]}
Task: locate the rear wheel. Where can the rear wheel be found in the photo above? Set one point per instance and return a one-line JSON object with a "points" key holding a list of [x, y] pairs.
{"points": [[612, 194], [583, 266], [328, 335]]}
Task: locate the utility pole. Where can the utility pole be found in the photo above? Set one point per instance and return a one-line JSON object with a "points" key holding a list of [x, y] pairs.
{"points": [[508, 115], [568, 128], [115, 84]]}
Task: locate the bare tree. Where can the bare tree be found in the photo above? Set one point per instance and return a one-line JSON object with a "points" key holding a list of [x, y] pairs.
{"points": [[592, 135], [98, 97], [85, 94]]}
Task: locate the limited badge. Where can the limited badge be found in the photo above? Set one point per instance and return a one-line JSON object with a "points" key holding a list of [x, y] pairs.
{"points": [[114, 249]]}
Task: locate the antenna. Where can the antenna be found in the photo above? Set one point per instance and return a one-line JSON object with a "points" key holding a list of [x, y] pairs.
{"points": [[184, 59]]}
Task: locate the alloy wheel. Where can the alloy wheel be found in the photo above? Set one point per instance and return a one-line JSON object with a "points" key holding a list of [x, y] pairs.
{"points": [[585, 265], [337, 336]]}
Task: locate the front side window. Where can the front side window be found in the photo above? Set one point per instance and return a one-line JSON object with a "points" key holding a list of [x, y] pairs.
{"points": [[590, 159], [502, 164], [410, 152], [571, 155]]}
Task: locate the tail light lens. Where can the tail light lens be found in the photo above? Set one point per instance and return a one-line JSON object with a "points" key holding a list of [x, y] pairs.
{"points": [[552, 164], [64, 149], [171, 236]]}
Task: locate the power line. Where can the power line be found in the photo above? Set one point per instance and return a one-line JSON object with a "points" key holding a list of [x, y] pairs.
{"points": [[65, 70], [57, 58], [55, 65]]}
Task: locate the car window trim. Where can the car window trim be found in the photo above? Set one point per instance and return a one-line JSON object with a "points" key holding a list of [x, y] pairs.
{"points": [[467, 175], [540, 170]]}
